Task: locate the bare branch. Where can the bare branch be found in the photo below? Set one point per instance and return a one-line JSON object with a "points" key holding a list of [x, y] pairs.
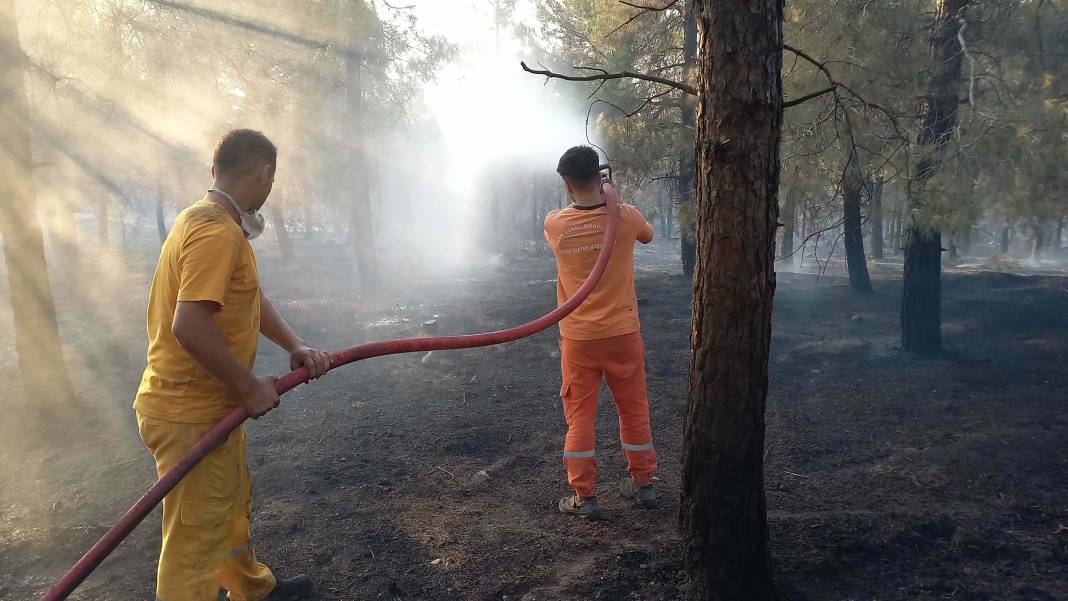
{"points": [[650, 8], [620, 75], [796, 101], [642, 10]]}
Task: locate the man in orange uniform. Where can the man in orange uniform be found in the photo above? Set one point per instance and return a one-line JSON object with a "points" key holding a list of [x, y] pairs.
{"points": [[601, 338], [205, 315]]}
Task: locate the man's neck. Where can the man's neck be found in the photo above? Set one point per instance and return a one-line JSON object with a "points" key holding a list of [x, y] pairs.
{"points": [[588, 199], [221, 200]]}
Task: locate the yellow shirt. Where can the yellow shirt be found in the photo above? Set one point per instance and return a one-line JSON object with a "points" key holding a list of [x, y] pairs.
{"points": [[575, 235], [205, 258]]}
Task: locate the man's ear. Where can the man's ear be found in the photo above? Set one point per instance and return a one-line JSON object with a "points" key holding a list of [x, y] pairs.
{"points": [[568, 187]]}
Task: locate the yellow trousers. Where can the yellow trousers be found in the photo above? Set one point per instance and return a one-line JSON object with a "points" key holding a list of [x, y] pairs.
{"points": [[205, 518]]}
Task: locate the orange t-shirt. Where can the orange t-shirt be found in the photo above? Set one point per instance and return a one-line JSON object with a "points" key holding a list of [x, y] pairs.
{"points": [[575, 235]]}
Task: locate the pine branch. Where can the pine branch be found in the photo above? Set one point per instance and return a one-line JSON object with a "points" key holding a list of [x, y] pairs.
{"points": [[604, 76]]}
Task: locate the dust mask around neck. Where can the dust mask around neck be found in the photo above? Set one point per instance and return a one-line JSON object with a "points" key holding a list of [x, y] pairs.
{"points": [[252, 222]]}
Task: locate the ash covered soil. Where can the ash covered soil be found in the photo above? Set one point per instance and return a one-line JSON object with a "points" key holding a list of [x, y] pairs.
{"points": [[426, 478]]}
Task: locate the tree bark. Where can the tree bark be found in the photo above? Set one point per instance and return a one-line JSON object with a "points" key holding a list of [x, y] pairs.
{"points": [[921, 306], [37, 342], [859, 279], [723, 513], [1057, 238], [789, 222], [687, 227], [1006, 234], [876, 217], [852, 187], [361, 225]]}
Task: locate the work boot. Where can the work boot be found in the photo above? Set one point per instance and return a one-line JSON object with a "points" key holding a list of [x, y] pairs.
{"points": [[583, 507], [291, 589], [644, 496]]}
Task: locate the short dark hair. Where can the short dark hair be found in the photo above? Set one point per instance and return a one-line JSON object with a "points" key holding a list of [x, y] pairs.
{"points": [[580, 164], [240, 149]]}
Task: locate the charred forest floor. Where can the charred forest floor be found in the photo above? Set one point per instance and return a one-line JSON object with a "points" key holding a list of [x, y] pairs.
{"points": [[426, 478]]}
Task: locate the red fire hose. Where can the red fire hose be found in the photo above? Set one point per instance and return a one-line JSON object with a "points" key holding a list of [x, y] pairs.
{"points": [[221, 430]]}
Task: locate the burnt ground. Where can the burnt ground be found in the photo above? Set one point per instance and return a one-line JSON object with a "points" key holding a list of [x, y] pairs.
{"points": [[425, 478]]}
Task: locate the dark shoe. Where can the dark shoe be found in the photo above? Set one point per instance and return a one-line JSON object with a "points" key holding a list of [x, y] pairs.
{"points": [[583, 507], [291, 589], [644, 496]]}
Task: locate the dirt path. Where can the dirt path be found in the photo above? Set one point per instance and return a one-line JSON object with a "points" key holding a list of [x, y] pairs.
{"points": [[435, 478]]}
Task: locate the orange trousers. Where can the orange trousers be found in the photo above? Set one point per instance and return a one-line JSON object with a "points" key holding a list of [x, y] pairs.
{"points": [[620, 361]]}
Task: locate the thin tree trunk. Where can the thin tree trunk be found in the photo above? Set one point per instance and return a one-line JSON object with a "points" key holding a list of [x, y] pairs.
{"points": [[63, 235], [361, 219], [535, 227], [161, 224], [876, 217], [102, 220], [921, 306], [859, 279], [668, 208], [723, 513], [37, 341], [687, 225], [1057, 238], [278, 222], [789, 222], [899, 232], [1036, 243], [1006, 236], [664, 216]]}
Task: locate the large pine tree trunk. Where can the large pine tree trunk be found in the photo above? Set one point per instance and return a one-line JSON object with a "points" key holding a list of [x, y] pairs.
{"points": [[877, 217], [921, 303], [723, 513], [361, 226], [687, 227], [37, 341], [789, 221], [852, 186]]}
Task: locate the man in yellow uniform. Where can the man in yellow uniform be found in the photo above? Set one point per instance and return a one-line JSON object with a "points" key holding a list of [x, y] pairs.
{"points": [[205, 314]]}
